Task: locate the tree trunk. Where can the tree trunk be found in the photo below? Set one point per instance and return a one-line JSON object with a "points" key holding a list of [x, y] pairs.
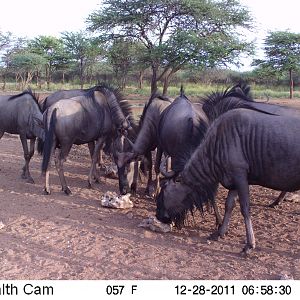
{"points": [[141, 79], [166, 84], [4, 83], [38, 83], [291, 84], [81, 73], [167, 78], [63, 77], [154, 80], [48, 77]]}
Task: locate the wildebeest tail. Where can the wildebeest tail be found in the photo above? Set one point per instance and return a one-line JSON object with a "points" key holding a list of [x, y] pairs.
{"points": [[49, 139], [40, 146]]}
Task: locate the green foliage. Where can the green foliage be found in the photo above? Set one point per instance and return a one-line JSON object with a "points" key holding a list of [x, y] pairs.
{"points": [[176, 32], [83, 51], [5, 39], [282, 49]]}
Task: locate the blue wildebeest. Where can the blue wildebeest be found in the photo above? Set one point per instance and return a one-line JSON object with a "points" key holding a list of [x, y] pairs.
{"points": [[94, 116], [67, 94], [242, 147], [146, 140], [20, 114], [239, 96], [62, 94], [181, 129], [128, 173]]}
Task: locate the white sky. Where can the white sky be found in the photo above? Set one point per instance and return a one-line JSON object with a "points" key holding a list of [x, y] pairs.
{"points": [[30, 18]]}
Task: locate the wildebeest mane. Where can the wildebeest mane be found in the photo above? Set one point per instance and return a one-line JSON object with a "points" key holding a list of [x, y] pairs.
{"points": [[34, 96], [125, 106], [198, 199], [239, 96]]}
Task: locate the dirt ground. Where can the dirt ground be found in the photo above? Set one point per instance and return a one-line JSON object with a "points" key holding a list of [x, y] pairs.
{"points": [[73, 237]]}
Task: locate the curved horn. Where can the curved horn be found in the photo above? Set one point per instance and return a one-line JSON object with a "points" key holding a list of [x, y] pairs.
{"points": [[163, 170], [181, 91], [130, 142]]}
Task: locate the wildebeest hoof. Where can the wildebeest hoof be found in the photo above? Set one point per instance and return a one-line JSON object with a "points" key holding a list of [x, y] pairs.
{"points": [[214, 236], [273, 205], [30, 180], [46, 192], [67, 191], [247, 250]]}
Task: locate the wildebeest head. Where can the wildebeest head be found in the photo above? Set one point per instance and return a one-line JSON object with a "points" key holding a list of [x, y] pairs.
{"points": [[173, 203], [127, 173]]}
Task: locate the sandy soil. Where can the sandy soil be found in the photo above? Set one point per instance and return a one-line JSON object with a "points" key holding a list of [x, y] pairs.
{"points": [[73, 237]]}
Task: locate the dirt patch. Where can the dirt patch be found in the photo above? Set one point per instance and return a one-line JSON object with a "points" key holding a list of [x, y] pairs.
{"points": [[74, 237]]}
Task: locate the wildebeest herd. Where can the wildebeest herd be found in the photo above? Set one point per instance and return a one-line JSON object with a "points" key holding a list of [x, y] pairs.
{"points": [[225, 138]]}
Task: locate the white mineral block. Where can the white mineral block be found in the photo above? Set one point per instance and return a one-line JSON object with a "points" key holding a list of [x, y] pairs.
{"points": [[111, 199]]}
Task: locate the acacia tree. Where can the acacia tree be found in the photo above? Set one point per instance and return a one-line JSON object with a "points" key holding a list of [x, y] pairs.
{"points": [[175, 32], [124, 56], [24, 64], [13, 45], [51, 48], [282, 51], [82, 49], [5, 39]]}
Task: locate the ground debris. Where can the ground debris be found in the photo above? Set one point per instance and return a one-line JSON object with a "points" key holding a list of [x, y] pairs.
{"points": [[293, 197], [155, 225], [285, 276], [112, 200], [1, 225]]}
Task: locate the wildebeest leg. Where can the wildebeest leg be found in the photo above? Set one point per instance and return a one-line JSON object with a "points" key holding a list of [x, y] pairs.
{"points": [[1, 135], [60, 156], [217, 214], [279, 199], [229, 205], [27, 156], [91, 146], [157, 170], [243, 192], [47, 190], [135, 177], [148, 158], [98, 146], [100, 159]]}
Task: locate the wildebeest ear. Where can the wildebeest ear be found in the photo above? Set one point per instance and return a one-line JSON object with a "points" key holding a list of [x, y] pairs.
{"points": [[38, 122]]}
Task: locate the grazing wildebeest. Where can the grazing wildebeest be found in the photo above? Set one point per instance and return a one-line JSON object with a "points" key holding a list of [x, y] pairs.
{"points": [[128, 174], [181, 129], [239, 96], [21, 114], [242, 147], [79, 120], [146, 140]]}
